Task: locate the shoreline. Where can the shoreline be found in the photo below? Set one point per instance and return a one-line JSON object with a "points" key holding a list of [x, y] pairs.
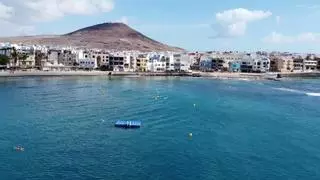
{"points": [[214, 75]]}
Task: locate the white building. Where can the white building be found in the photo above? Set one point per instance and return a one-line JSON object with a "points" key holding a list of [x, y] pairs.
{"points": [[28, 62], [261, 64], [88, 63], [156, 62], [227, 56], [117, 61], [254, 63], [185, 62], [309, 65], [102, 57], [53, 56], [298, 64], [86, 59], [129, 61]]}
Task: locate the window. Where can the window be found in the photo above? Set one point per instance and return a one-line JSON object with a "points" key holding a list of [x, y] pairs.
{"points": [[93, 56], [92, 62], [86, 56]]}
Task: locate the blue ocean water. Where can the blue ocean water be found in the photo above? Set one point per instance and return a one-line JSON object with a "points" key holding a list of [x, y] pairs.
{"points": [[241, 129]]}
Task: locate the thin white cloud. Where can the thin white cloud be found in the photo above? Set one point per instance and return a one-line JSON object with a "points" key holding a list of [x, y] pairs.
{"points": [[47, 10], [278, 20], [234, 22], [6, 12], [12, 29], [27, 13], [308, 6], [25, 30], [278, 38]]}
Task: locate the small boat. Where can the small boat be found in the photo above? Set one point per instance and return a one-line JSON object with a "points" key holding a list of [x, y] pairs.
{"points": [[196, 75], [128, 124], [274, 79], [19, 148]]}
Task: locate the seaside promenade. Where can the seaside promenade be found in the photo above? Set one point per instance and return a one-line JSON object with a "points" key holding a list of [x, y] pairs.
{"points": [[214, 75]]}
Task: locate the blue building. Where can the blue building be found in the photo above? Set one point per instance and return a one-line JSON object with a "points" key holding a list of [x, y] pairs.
{"points": [[206, 64], [234, 66]]}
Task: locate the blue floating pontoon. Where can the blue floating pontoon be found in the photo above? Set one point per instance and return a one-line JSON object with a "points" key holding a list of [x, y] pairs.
{"points": [[128, 124]]}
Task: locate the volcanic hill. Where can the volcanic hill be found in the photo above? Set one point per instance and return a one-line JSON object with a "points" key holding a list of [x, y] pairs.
{"points": [[111, 36]]}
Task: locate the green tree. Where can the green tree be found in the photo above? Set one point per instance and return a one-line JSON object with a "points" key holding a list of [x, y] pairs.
{"points": [[4, 60], [23, 57], [14, 55], [39, 57]]}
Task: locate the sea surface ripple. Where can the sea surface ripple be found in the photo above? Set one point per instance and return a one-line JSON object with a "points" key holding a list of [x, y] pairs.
{"points": [[241, 129]]}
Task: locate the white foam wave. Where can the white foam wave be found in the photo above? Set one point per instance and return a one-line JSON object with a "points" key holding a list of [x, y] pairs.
{"points": [[244, 79], [313, 94], [298, 91], [290, 90]]}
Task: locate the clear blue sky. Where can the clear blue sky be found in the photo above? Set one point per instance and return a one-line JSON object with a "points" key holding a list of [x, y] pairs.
{"points": [[285, 25]]}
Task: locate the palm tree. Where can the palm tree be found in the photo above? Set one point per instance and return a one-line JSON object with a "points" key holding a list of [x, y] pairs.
{"points": [[39, 58], [14, 56], [23, 57]]}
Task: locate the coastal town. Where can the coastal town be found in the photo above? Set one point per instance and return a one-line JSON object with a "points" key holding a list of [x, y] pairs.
{"points": [[44, 58]]}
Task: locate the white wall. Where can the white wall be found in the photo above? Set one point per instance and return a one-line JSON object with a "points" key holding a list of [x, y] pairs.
{"points": [[88, 63]]}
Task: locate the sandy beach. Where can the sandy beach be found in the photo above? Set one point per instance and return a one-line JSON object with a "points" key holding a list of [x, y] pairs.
{"points": [[60, 73], [105, 73], [214, 75], [229, 75]]}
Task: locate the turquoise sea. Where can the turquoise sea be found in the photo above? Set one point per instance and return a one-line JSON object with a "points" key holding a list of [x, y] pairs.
{"points": [[241, 129]]}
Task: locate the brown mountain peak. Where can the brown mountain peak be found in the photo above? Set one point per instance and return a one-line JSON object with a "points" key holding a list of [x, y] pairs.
{"points": [[111, 36]]}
